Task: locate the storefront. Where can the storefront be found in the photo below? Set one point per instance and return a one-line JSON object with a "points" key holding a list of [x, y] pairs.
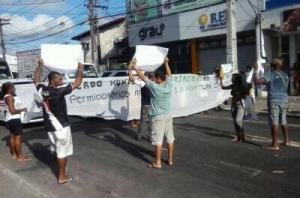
{"points": [[197, 39]]}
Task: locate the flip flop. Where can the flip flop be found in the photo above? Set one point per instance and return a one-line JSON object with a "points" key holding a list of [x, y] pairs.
{"points": [[270, 148], [69, 178], [153, 165]]}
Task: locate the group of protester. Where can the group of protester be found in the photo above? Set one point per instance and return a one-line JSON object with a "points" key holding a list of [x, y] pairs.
{"points": [[277, 85], [156, 89]]}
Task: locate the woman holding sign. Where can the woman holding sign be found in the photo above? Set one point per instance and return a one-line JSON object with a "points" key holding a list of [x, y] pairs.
{"points": [[238, 92]]}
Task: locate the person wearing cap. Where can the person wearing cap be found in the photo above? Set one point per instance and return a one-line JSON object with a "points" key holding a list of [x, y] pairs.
{"points": [[277, 84]]}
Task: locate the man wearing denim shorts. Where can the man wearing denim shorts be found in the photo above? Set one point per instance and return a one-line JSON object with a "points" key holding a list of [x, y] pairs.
{"points": [[160, 103], [56, 117], [277, 84]]}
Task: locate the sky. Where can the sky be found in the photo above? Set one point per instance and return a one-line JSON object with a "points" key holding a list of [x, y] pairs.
{"points": [[36, 22]]}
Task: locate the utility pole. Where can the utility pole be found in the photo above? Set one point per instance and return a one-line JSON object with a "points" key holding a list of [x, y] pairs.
{"points": [[231, 35], [93, 20], [3, 22], [95, 43]]}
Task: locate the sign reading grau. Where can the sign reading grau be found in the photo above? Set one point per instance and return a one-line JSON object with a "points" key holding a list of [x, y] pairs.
{"points": [[151, 32]]}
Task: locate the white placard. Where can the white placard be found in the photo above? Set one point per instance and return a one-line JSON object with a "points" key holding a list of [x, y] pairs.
{"points": [[62, 58], [149, 58]]}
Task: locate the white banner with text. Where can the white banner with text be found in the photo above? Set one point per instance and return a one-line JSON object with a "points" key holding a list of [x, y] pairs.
{"points": [[116, 98]]}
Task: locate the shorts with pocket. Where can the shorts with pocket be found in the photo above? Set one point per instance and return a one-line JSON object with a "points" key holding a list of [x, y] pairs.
{"points": [[277, 113], [15, 126], [61, 142], [162, 126]]}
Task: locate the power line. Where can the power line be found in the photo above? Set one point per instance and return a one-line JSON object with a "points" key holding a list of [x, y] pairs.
{"points": [[49, 34], [47, 21], [18, 4]]}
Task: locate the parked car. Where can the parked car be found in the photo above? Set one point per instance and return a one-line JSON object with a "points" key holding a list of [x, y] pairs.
{"points": [[116, 73], [34, 116]]}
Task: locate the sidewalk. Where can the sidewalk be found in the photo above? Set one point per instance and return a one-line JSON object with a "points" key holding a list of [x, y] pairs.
{"points": [[262, 107]]}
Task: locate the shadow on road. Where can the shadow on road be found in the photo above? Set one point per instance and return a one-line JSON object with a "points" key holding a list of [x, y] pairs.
{"points": [[114, 132], [40, 152], [212, 132]]}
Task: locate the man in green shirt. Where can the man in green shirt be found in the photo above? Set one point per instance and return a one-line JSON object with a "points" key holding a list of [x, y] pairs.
{"points": [[160, 103]]}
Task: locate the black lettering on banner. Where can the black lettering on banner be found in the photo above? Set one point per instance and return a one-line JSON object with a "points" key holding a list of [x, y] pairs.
{"points": [[137, 92], [92, 84], [101, 96]]}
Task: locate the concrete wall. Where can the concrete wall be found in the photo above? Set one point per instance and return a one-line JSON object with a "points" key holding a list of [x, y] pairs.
{"points": [[107, 38]]}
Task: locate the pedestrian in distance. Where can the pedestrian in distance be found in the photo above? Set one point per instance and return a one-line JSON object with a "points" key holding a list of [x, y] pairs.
{"points": [[13, 109], [56, 117], [160, 102], [238, 92], [277, 85], [145, 103]]}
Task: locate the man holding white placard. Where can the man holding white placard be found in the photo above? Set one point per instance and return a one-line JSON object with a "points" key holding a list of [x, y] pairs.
{"points": [[161, 120], [55, 115]]}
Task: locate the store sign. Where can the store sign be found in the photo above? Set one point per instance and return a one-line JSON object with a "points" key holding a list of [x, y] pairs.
{"points": [[216, 20], [143, 10], [151, 32], [291, 21], [175, 6], [271, 4]]}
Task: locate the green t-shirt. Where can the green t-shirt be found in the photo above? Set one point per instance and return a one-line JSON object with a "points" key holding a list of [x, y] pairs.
{"points": [[160, 99]]}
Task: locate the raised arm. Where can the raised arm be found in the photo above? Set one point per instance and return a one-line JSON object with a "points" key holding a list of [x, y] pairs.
{"points": [[78, 79], [38, 72], [130, 65], [256, 80], [138, 71], [168, 70]]}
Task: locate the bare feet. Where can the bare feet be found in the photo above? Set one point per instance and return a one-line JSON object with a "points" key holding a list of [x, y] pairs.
{"points": [[154, 165], [235, 140], [273, 148], [243, 139], [14, 157], [286, 143], [67, 179], [170, 162], [24, 159]]}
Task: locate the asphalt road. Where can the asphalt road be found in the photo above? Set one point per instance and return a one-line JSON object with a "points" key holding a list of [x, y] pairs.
{"points": [[109, 162]]}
